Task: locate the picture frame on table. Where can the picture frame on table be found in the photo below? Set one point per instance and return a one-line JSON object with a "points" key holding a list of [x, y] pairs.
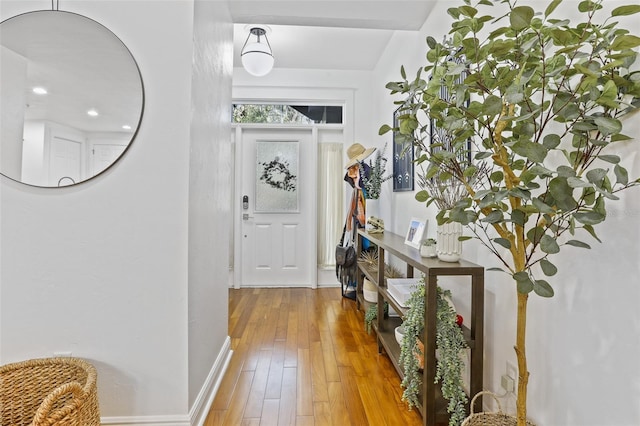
{"points": [[415, 232]]}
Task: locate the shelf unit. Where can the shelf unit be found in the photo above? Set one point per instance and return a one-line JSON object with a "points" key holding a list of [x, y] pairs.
{"points": [[433, 407]]}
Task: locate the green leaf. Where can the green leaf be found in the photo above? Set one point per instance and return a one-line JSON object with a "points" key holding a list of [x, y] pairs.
{"points": [[524, 283], [492, 106], [577, 243], [552, 6], [384, 129], [520, 193], [520, 17], [543, 288], [576, 182], [535, 234], [591, 231], [533, 151], [588, 5], [623, 42], [431, 42], [549, 245], [548, 268], [608, 125], [589, 218], [518, 217], [596, 176], [625, 10], [503, 242], [496, 270], [620, 137], [551, 141], [542, 206], [464, 238], [422, 196], [496, 176], [562, 193], [613, 159], [622, 176], [468, 11], [609, 92], [493, 217]]}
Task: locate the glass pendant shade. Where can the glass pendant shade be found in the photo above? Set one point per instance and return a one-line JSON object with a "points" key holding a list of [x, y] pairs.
{"points": [[256, 56]]}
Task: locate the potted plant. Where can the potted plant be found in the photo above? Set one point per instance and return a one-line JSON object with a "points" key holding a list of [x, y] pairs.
{"points": [[428, 248], [446, 192], [450, 343], [539, 99], [372, 181]]}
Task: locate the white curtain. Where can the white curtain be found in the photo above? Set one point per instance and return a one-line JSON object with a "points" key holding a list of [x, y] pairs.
{"points": [[330, 201]]}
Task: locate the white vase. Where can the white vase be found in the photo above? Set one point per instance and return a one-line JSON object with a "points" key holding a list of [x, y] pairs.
{"points": [[448, 247], [372, 207]]}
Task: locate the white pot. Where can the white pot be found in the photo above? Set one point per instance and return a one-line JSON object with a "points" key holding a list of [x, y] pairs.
{"points": [[428, 251], [448, 247]]}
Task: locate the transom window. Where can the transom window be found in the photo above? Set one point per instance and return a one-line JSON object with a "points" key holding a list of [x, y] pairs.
{"points": [[285, 113]]}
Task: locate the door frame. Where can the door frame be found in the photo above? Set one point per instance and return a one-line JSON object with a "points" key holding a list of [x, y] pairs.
{"points": [[275, 95]]}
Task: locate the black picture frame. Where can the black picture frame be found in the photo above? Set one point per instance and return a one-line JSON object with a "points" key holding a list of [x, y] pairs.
{"points": [[403, 166]]}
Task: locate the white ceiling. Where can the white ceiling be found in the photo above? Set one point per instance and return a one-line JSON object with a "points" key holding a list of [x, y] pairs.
{"points": [[333, 34]]}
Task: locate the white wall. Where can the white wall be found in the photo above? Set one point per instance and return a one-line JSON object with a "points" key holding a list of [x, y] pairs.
{"points": [[583, 344], [209, 193], [108, 269], [12, 111]]}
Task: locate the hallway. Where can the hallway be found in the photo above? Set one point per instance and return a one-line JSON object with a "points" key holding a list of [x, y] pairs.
{"points": [[302, 357]]}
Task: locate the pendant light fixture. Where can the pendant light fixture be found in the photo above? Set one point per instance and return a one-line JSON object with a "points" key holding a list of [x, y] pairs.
{"points": [[257, 57]]}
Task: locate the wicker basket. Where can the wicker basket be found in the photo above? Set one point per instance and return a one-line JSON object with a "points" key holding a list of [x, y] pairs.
{"points": [[490, 418], [48, 392]]}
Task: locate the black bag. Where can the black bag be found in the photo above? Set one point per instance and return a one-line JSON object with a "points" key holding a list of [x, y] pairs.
{"points": [[345, 256]]}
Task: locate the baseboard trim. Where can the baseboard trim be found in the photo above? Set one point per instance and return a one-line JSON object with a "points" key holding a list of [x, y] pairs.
{"points": [[201, 406], [146, 420]]}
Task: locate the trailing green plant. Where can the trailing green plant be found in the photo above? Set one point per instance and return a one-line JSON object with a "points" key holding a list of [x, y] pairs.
{"points": [[539, 98], [449, 368], [450, 343], [371, 314], [373, 182]]}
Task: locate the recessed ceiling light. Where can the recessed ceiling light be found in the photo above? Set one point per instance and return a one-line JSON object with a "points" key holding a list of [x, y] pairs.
{"points": [[126, 127], [92, 113], [40, 90]]}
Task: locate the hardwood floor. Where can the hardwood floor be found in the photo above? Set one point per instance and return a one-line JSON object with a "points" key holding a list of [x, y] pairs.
{"points": [[302, 357]]}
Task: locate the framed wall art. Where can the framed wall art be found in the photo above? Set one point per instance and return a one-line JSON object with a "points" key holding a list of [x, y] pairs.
{"points": [[402, 161], [277, 177]]}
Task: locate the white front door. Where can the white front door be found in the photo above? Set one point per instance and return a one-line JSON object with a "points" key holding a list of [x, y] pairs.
{"points": [[277, 226]]}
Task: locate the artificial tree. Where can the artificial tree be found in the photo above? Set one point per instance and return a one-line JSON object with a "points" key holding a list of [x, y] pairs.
{"points": [[537, 100]]}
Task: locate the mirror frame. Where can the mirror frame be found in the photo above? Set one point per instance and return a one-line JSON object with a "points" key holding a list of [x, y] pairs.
{"points": [[134, 134]]}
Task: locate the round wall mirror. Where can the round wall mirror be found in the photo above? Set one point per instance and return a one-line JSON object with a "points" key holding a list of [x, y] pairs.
{"points": [[71, 98]]}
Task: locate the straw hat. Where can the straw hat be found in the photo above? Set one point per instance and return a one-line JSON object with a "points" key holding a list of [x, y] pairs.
{"points": [[356, 153]]}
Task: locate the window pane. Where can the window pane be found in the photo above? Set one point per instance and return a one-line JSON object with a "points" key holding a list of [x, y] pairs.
{"points": [[307, 114]]}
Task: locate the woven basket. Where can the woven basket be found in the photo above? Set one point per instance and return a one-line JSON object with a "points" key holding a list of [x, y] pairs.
{"points": [[48, 392], [490, 418]]}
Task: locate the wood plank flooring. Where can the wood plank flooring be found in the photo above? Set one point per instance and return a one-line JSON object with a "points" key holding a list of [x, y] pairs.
{"points": [[302, 357]]}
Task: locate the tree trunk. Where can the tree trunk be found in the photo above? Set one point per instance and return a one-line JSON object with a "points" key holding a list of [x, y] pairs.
{"points": [[523, 373]]}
